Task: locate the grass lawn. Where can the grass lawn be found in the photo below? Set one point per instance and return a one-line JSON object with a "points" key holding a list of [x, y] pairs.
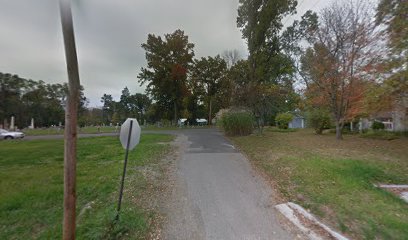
{"points": [[105, 129], [154, 127], [384, 135], [58, 131], [31, 188], [334, 179]]}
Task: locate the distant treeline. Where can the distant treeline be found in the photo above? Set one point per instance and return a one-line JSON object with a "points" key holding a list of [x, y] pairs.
{"points": [[26, 99], [130, 105]]}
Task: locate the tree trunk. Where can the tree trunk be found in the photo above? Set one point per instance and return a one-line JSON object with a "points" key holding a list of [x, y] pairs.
{"points": [[259, 126], [339, 135], [71, 114], [210, 113], [175, 113]]}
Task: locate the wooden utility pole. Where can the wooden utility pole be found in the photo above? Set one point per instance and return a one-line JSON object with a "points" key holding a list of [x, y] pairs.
{"points": [[71, 112]]}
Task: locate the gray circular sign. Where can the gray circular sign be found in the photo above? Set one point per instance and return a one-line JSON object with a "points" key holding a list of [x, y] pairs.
{"points": [[135, 133]]}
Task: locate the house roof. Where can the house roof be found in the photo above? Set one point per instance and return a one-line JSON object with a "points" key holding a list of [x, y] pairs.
{"points": [[382, 115]]}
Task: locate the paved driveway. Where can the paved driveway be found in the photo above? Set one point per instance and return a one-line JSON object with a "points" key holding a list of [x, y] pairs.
{"points": [[219, 195]]}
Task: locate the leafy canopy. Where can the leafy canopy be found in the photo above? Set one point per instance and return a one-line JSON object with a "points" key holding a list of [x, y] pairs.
{"points": [[168, 62]]}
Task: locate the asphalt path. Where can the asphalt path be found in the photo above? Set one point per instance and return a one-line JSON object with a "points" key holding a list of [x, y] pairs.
{"points": [[218, 195]]}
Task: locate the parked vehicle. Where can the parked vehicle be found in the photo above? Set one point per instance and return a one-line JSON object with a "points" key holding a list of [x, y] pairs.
{"points": [[201, 121], [198, 121], [182, 122], [4, 134]]}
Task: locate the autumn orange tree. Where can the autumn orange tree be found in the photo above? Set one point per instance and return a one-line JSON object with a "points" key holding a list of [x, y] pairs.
{"points": [[340, 60]]}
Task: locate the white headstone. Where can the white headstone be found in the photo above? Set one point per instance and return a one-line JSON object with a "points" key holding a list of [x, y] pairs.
{"points": [[404, 196], [135, 133], [32, 123], [12, 123]]}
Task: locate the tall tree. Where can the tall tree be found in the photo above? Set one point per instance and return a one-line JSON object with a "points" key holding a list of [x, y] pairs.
{"points": [[393, 14], [210, 72], [124, 104], [43, 103], [139, 104], [342, 55], [239, 75], [261, 24], [293, 40], [11, 90], [168, 62], [108, 107]]}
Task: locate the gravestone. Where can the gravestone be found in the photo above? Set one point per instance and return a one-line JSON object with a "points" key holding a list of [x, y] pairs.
{"points": [[32, 124], [12, 123]]}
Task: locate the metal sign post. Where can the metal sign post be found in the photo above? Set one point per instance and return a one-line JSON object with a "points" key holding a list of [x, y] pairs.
{"points": [[124, 171], [129, 140]]}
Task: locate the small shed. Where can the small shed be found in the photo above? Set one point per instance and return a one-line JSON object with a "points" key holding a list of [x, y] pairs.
{"points": [[298, 121]]}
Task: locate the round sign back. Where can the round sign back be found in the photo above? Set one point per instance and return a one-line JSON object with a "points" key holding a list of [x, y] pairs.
{"points": [[134, 133]]}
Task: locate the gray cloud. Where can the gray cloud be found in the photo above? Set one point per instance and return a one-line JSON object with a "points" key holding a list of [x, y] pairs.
{"points": [[109, 35]]}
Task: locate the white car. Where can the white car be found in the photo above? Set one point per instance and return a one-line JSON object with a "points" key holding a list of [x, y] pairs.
{"points": [[4, 134], [201, 121]]}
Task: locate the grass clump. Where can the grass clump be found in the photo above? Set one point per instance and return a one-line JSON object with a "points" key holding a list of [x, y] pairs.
{"points": [[237, 123]]}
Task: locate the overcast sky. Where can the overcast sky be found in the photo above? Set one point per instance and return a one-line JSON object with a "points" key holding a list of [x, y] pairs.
{"points": [[109, 34]]}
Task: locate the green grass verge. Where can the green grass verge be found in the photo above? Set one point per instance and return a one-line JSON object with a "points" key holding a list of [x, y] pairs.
{"points": [[335, 179], [106, 129], [31, 188]]}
